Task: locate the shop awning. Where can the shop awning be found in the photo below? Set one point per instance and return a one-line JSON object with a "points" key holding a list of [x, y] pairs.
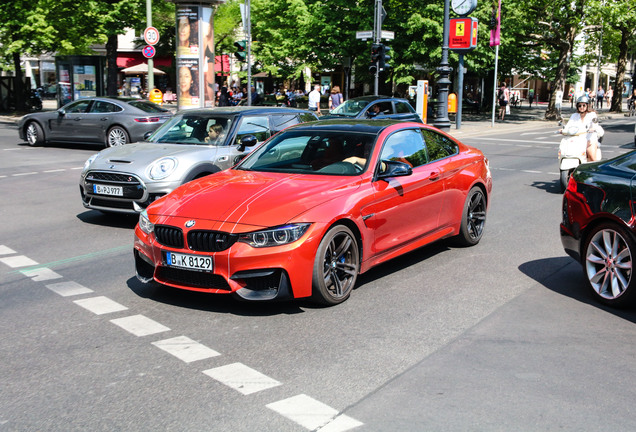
{"points": [[141, 68]]}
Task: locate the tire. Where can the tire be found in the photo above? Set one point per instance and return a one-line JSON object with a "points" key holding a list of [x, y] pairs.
{"points": [[607, 265], [116, 136], [34, 134], [336, 266], [565, 178], [473, 218]]}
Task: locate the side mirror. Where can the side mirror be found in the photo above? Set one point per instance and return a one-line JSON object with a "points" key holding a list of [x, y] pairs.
{"points": [[147, 135], [61, 112], [395, 169], [247, 141]]}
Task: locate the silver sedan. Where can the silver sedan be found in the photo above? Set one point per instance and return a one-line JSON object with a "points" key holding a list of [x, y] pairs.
{"points": [[104, 120]]}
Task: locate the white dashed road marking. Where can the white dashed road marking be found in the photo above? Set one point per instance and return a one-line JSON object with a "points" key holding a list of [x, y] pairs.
{"points": [[242, 378], [140, 325], [18, 261], [24, 174], [67, 289], [313, 415], [186, 349], [4, 250], [41, 274], [100, 305]]}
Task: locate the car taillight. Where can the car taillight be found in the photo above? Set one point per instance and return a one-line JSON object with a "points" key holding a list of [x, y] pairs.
{"points": [[147, 119]]}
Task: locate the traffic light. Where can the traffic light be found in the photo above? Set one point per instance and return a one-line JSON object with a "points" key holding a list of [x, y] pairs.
{"points": [[376, 50], [384, 57], [241, 47]]}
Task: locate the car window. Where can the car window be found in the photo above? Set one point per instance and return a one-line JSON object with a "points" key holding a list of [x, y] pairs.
{"points": [[105, 107], [217, 129], [254, 125], [380, 108], [80, 106], [148, 107], [307, 117], [405, 146], [438, 145], [403, 108], [280, 122]]}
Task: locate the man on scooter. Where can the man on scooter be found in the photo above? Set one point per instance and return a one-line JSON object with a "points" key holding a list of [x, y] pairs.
{"points": [[585, 119]]}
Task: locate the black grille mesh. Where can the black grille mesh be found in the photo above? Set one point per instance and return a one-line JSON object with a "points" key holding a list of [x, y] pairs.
{"points": [[169, 236], [112, 177], [191, 278], [210, 241]]}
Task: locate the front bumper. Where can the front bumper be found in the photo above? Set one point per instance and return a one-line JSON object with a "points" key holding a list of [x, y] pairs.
{"points": [[137, 193], [278, 272]]}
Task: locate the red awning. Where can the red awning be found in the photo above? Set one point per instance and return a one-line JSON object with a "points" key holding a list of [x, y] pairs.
{"points": [[134, 58]]}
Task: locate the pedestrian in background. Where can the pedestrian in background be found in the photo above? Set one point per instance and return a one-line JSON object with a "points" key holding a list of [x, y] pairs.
{"points": [[571, 96], [335, 98], [503, 97], [608, 96], [531, 97], [314, 99], [600, 95]]}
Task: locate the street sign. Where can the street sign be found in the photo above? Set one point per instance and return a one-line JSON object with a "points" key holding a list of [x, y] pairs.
{"points": [[149, 51], [367, 34], [151, 35], [388, 35]]}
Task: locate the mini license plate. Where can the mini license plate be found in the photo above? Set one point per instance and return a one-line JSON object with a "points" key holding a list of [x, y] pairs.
{"points": [[108, 190], [192, 262]]}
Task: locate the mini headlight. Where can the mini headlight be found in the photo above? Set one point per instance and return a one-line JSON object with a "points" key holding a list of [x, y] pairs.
{"points": [[275, 236], [144, 223], [162, 168], [89, 161]]}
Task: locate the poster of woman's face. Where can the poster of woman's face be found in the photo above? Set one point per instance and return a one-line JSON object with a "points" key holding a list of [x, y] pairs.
{"points": [[188, 82], [188, 31]]}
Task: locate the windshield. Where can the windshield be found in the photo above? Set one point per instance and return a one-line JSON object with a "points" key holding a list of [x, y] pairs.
{"points": [[350, 108], [195, 129], [312, 152]]}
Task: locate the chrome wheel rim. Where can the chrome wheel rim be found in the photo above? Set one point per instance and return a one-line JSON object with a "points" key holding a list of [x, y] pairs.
{"points": [[608, 264], [116, 137], [476, 216], [31, 134], [340, 265]]}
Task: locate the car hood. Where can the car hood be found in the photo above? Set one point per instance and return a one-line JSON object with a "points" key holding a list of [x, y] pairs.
{"points": [[136, 157], [251, 198]]}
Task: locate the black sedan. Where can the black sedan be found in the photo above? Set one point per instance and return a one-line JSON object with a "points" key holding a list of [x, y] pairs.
{"points": [[104, 120], [599, 227], [375, 107]]}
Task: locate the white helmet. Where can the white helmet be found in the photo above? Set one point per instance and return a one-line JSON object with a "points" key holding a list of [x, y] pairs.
{"points": [[583, 99]]}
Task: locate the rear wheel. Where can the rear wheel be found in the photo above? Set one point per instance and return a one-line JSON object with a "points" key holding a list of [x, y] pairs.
{"points": [[473, 218], [34, 134], [336, 266], [117, 136], [609, 256]]}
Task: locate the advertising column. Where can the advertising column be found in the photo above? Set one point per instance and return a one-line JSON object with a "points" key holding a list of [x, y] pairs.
{"points": [[195, 57]]}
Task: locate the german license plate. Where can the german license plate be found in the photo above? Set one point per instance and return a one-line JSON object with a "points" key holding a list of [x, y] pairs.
{"points": [[193, 262], [108, 190]]}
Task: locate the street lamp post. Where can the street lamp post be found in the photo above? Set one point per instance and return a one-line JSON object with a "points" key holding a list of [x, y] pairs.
{"points": [[443, 84]]}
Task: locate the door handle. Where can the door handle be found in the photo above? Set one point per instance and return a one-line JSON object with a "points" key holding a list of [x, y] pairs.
{"points": [[77, 119], [103, 118], [434, 175]]}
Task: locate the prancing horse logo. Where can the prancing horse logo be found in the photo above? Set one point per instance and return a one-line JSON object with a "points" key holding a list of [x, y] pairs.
{"points": [[190, 223]]}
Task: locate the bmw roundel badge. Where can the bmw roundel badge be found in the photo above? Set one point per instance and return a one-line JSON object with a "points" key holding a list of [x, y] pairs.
{"points": [[190, 223]]}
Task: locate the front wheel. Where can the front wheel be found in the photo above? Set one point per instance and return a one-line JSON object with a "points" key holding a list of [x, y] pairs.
{"points": [[336, 266], [473, 218], [608, 264], [565, 178], [34, 134], [116, 136]]}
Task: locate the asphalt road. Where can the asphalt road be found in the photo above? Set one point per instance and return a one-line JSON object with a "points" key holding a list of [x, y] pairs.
{"points": [[500, 336]]}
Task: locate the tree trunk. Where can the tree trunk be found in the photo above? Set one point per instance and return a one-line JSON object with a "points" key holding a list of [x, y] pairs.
{"points": [[111, 65], [617, 98], [19, 96], [552, 113]]}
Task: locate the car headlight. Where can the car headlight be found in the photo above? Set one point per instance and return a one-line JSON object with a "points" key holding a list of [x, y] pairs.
{"points": [[144, 223], [89, 161], [162, 168], [275, 236]]}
